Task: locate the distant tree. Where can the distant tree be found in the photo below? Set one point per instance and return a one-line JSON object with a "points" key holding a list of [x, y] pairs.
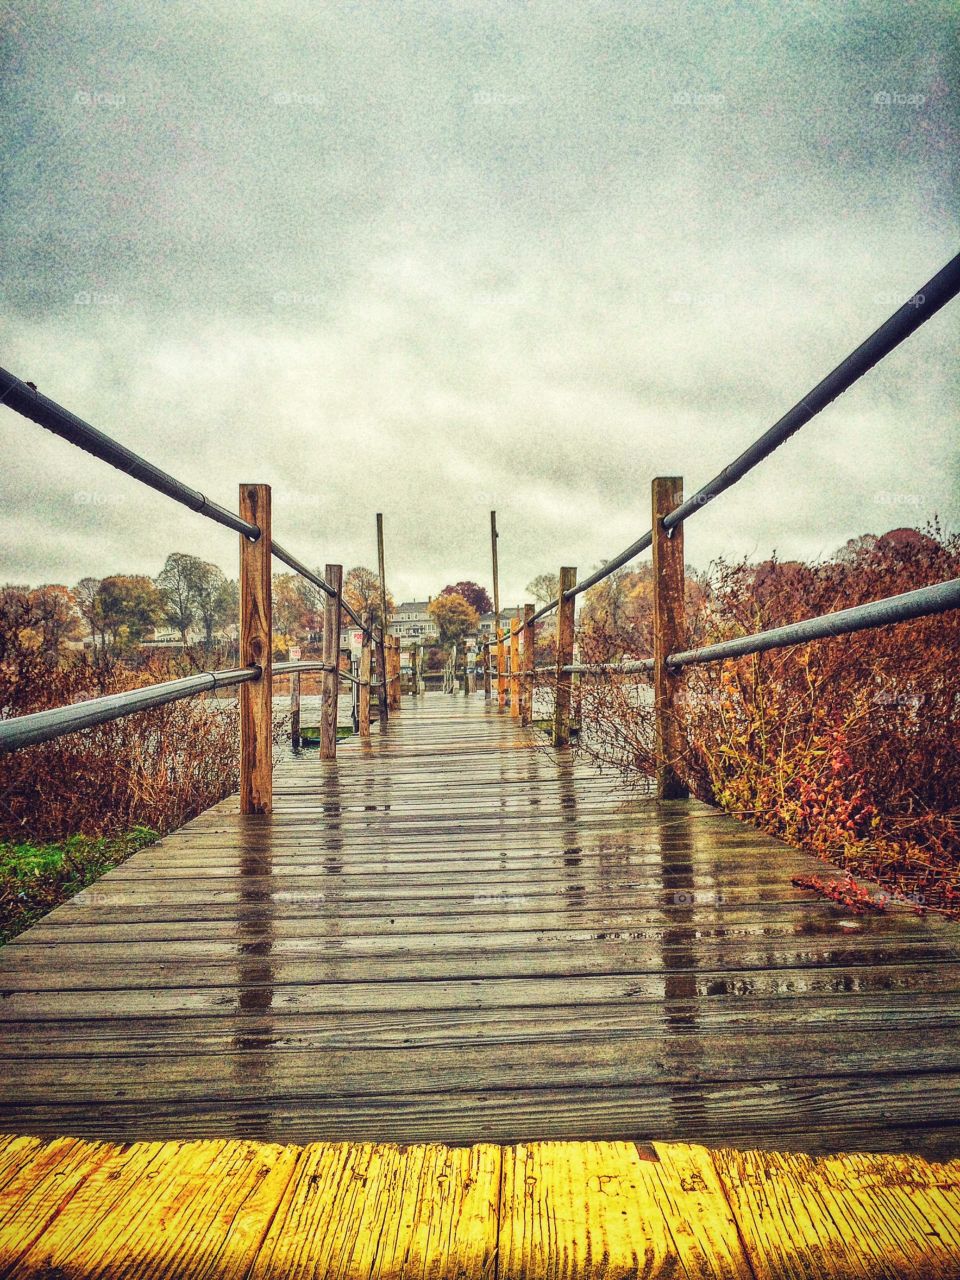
{"points": [[544, 588], [178, 582], [292, 614], [217, 600], [55, 607], [130, 606], [361, 590], [87, 595], [455, 617], [473, 593]]}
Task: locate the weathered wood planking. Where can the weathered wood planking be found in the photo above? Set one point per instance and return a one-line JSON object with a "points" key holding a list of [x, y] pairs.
{"points": [[532, 1211], [454, 933]]}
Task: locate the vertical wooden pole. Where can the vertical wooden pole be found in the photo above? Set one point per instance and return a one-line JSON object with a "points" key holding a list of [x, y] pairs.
{"points": [[365, 665], [295, 709], [383, 700], [526, 684], [501, 671], [515, 668], [396, 672], [333, 574], [487, 686], [256, 650], [565, 615], [668, 635]]}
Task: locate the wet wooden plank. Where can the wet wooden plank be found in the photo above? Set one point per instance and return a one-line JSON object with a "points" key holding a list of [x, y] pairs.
{"points": [[452, 933]]}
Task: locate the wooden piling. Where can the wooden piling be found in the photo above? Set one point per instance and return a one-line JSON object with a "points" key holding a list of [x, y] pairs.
{"points": [[256, 650], [526, 681], [383, 699], [565, 632], [515, 668], [331, 656], [501, 670], [363, 706], [669, 630]]}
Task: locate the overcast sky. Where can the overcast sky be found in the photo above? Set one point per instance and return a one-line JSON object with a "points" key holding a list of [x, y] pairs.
{"points": [[433, 258]]}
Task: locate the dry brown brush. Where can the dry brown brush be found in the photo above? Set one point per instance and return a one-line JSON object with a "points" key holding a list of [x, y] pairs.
{"points": [[848, 747]]}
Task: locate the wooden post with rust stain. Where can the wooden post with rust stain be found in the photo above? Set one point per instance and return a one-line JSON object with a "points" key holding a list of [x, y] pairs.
{"points": [[383, 699], [515, 668], [669, 630], [363, 701], [565, 616], [526, 682], [256, 650], [501, 671], [333, 574]]}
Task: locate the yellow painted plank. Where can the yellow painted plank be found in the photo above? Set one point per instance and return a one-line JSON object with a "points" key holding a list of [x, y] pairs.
{"points": [[40, 1190], [601, 1209], [378, 1210], [536, 1211], [167, 1209], [845, 1216]]}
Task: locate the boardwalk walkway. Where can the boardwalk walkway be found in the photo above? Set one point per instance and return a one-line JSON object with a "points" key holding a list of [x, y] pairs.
{"points": [[452, 935]]}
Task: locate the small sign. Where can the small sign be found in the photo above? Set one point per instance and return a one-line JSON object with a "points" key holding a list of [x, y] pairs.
{"points": [[356, 643], [294, 653]]}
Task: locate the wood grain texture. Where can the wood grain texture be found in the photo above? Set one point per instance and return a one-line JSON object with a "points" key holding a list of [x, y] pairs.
{"points": [[669, 632], [454, 933], [332, 614], [256, 650], [242, 1210], [565, 637]]}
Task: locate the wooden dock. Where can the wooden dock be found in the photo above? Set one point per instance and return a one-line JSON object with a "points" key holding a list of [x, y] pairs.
{"points": [[454, 934]]}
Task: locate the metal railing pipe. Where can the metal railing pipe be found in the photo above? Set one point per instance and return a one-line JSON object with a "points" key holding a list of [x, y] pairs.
{"points": [[43, 726], [926, 302], [32, 404], [922, 603]]}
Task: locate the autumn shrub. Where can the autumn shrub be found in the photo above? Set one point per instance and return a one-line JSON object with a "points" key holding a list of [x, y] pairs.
{"points": [[848, 747], [155, 769]]}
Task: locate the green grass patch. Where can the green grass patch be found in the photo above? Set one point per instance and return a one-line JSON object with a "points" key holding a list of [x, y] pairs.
{"points": [[35, 878]]}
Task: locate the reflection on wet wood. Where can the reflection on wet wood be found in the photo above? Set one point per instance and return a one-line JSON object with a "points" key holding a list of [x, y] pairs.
{"points": [[455, 933]]}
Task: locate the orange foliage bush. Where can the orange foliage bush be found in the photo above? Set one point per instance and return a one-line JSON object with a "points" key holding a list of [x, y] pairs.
{"points": [[847, 747], [156, 768]]}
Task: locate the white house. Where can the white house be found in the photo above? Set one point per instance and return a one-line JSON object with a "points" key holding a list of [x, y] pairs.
{"points": [[412, 621]]}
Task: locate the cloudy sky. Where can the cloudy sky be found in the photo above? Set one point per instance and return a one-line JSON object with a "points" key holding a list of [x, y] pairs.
{"points": [[433, 258]]}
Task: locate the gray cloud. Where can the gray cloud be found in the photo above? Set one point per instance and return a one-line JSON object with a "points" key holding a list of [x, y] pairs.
{"points": [[433, 258]]}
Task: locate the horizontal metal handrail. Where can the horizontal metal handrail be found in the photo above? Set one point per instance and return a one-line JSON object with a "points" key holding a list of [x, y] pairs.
{"points": [[39, 408], [26, 400], [294, 668], [922, 603], [43, 726], [924, 304]]}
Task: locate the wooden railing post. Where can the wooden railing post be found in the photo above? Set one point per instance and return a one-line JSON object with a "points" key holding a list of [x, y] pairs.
{"points": [[333, 574], [393, 673], [515, 668], [565, 632], [501, 671], [382, 699], [526, 684], [668, 635], [365, 665], [295, 710], [256, 650], [487, 683]]}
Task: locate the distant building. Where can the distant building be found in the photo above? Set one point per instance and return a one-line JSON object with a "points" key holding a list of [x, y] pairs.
{"points": [[413, 621], [487, 626]]}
